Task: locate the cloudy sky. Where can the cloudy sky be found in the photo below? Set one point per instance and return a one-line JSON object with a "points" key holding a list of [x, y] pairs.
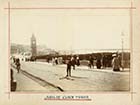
{"points": [[71, 29]]}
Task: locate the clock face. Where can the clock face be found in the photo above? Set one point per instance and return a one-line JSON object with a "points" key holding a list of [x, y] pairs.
{"points": [[33, 42]]}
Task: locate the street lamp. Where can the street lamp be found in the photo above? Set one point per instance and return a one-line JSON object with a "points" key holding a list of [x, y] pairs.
{"points": [[122, 60]]}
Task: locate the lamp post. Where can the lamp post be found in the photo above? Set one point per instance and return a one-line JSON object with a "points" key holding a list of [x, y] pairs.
{"points": [[122, 60]]}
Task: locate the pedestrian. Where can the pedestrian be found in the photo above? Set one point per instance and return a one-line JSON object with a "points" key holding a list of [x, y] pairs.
{"points": [[104, 60], [56, 61], [14, 59], [47, 59], [77, 61], [18, 64], [53, 61], [98, 63], [116, 63], [91, 62], [73, 62], [68, 68]]}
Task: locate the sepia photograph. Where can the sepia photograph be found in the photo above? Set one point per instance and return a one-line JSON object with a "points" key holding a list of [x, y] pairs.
{"points": [[70, 50]]}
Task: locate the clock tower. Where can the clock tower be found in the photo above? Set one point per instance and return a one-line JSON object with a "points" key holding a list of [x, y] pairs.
{"points": [[33, 46]]}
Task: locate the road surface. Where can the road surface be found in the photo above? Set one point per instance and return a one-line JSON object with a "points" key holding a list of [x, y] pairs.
{"points": [[82, 79]]}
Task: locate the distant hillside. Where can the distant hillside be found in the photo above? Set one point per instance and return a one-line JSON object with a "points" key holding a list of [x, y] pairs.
{"points": [[41, 49], [18, 48]]}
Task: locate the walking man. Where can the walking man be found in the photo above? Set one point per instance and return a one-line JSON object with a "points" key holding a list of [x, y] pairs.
{"points": [[91, 62], [68, 68], [73, 62], [18, 64]]}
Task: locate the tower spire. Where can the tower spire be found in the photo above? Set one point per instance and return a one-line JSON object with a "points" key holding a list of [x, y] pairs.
{"points": [[33, 46]]}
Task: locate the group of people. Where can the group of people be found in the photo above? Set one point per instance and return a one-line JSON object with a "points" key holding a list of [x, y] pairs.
{"points": [[91, 62], [72, 62], [57, 60], [116, 63]]}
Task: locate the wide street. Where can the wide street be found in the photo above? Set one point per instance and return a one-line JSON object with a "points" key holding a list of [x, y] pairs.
{"points": [[41, 76]]}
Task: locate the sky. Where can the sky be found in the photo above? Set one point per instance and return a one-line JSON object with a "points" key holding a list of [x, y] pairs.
{"points": [[72, 29]]}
